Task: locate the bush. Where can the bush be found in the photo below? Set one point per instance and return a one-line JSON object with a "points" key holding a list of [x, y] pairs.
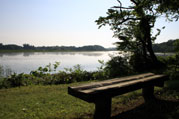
{"points": [[118, 66], [139, 64], [44, 76], [173, 66]]}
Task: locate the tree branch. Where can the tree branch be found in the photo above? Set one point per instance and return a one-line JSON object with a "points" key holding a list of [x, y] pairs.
{"points": [[136, 3], [119, 2], [127, 19], [122, 7]]}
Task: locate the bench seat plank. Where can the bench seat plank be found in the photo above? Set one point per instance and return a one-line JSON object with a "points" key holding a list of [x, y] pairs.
{"points": [[114, 87], [118, 85], [112, 81]]}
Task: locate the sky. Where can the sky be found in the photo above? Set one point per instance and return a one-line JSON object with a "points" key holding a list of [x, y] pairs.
{"points": [[63, 22]]}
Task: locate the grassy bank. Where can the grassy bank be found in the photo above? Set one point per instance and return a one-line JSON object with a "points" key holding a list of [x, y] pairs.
{"points": [[53, 102]]}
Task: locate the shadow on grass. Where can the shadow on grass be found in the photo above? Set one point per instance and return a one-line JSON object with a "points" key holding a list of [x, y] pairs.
{"points": [[158, 109]]}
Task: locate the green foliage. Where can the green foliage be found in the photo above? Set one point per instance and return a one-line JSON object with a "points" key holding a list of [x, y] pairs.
{"points": [[169, 46], [75, 74], [69, 75], [101, 74], [44, 71], [172, 66], [138, 63], [133, 25], [173, 63], [176, 44], [118, 66], [48, 75], [141, 64], [172, 84], [169, 8]]}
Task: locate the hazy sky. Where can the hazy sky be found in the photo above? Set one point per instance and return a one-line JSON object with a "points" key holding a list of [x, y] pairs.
{"points": [[62, 22]]}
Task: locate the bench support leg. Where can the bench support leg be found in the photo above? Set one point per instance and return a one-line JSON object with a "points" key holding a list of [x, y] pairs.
{"points": [[148, 93], [103, 109]]}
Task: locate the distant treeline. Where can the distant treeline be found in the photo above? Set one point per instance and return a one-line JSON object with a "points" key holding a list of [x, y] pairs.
{"points": [[165, 46], [160, 47], [27, 47]]}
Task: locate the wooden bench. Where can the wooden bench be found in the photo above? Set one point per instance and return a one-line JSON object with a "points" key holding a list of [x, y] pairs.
{"points": [[102, 92]]}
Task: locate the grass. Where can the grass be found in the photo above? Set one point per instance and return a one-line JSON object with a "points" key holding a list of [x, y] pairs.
{"points": [[41, 102], [53, 102]]}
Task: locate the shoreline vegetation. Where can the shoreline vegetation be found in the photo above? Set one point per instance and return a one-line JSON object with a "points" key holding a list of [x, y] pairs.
{"points": [[31, 48], [43, 95], [117, 66], [48, 100]]}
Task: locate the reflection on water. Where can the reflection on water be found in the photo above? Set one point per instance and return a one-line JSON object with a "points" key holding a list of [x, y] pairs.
{"points": [[28, 61], [164, 54], [10, 54], [26, 54]]}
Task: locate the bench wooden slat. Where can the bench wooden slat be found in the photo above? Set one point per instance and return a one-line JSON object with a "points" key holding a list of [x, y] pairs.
{"points": [[112, 81], [119, 85], [115, 86]]}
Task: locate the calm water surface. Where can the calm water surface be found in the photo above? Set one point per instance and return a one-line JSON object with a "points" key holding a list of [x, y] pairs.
{"points": [[28, 61]]}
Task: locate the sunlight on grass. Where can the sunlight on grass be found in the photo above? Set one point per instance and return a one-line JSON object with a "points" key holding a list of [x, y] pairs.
{"points": [[53, 102], [36, 102]]}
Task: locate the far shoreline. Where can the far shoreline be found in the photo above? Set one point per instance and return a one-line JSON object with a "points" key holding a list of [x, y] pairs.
{"points": [[11, 51], [14, 51]]}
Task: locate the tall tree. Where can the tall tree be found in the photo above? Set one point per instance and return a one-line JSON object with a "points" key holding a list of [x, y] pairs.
{"points": [[133, 25]]}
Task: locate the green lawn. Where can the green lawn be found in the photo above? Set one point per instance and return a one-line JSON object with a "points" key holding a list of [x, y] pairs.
{"points": [[41, 102], [53, 102]]}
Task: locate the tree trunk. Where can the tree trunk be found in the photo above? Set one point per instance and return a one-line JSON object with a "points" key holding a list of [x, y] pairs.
{"points": [[147, 37], [151, 52], [144, 51]]}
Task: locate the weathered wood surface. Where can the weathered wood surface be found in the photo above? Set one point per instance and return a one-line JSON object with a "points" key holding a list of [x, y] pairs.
{"points": [[117, 86], [112, 81]]}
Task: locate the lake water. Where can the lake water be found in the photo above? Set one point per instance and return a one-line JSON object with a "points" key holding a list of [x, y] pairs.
{"points": [[24, 62], [28, 61]]}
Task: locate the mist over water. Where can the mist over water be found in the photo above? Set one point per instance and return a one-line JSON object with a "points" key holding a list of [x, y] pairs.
{"points": [[24, 62]]}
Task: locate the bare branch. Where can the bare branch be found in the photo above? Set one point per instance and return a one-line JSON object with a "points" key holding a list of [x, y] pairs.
{"points": [[134, 2], [119, 2], [120, 5], [123, 7], [127, 19]]}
